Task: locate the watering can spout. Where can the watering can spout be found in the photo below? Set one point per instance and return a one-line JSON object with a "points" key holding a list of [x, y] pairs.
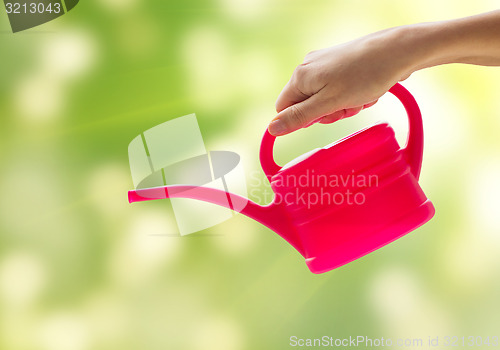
{"points": [[272, 215]]}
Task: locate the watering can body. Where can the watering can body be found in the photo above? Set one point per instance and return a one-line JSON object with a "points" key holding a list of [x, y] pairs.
{"points": [[341, 202]]}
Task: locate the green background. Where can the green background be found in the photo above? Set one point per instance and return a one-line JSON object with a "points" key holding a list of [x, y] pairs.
{"points": [[80, 268]]}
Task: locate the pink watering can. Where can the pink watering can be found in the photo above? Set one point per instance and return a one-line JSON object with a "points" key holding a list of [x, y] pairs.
{"points": [[338, 203]]}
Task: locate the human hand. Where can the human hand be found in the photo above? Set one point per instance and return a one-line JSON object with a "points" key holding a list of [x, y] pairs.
{"points": [[340, 81]]}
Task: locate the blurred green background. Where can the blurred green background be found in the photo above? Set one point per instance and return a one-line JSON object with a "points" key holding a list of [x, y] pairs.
{"points": [[81, 269]]}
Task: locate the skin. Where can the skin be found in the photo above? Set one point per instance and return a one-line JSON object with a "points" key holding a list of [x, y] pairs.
{"points": [[338, 82]]}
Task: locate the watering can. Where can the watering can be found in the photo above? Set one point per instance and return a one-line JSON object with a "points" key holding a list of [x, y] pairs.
{"points": [[338, 203]]}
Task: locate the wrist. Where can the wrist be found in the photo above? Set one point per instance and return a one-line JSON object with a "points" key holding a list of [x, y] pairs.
{"points": [[422, 46], [431, 44], [406, 49]]}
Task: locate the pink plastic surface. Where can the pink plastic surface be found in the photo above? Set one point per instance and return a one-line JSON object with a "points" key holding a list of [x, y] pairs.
{"points": [[331, 234]]}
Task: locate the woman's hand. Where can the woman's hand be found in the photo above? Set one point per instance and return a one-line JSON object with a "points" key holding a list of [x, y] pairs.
{"points": [[340, 81]]}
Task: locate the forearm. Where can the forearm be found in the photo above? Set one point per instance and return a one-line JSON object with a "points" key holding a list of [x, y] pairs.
{"points": [[473, 40]]}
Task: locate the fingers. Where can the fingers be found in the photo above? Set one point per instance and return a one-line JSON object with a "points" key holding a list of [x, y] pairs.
{"points": [[299, 115], [297, 111], [333, 117], [344, 113], [290, 95]]}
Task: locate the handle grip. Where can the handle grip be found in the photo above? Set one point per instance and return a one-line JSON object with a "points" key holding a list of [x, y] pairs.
{"points": [[413, 150]]}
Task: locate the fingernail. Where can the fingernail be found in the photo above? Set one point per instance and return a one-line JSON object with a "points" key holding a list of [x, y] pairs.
{"points": [[277, 127]]}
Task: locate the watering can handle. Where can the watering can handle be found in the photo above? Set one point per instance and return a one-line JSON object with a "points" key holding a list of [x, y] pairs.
{"points": [[414, 145]]}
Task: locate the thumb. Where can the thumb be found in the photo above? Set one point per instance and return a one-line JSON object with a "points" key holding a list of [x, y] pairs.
{"points": [[299, 115]]}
